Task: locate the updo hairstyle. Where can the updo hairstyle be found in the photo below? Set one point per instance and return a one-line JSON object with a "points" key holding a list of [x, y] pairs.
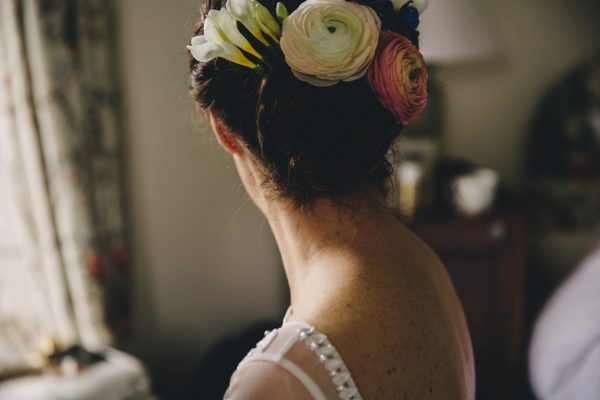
{"points": [[310, 142]]}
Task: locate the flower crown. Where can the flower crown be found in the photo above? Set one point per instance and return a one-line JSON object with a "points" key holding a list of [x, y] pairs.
{"points": [[325, 42]]}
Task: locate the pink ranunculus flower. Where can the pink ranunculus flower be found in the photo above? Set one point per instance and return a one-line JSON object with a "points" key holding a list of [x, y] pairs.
{"points": [[398, 77]]}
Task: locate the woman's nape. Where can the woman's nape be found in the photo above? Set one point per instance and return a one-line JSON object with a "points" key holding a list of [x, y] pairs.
{"points": [[308, 237]]}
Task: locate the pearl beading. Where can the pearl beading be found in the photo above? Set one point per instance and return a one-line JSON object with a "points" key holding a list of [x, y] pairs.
{"points": [[327, 355], [332, 361]]}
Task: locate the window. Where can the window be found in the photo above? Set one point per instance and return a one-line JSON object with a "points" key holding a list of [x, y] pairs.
{"points": [[21, 299]]}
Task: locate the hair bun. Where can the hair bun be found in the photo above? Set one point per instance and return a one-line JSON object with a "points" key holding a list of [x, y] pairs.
{"points": [[310, 141]]}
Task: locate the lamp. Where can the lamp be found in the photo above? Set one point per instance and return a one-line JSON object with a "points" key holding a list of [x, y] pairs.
{"points": [[457, 31], [452, 32]]}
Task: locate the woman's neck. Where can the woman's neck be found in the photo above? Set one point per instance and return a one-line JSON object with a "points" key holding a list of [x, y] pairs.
{"points": [[324, 248]]}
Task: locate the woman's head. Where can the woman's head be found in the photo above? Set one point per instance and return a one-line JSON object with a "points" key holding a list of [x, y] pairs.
{"points": [[307, 141]]}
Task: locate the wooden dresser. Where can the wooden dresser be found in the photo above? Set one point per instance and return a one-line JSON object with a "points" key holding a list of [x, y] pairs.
{"points": [[486, 259]]}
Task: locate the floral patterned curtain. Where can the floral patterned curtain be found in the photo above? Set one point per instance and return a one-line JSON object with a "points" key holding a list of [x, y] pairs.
{"points": [[58, 118]]}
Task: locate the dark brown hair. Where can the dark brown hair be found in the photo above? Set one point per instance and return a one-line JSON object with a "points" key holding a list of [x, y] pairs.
{"points": [[312, 142]]}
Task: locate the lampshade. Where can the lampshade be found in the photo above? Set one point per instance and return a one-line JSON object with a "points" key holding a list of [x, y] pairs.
{"points": [[457, 31]]}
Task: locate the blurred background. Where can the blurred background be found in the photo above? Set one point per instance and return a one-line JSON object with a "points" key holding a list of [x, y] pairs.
{"points": [[123, 224]]}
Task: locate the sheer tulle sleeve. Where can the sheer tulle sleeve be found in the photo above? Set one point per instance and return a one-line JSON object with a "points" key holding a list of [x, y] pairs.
{"points": [[260, 380], [284, 366]]}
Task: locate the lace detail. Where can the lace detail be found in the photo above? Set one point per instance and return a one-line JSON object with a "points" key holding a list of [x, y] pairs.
{"points": [[332, 361]]}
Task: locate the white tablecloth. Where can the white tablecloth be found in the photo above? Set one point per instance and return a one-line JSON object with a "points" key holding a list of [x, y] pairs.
{"points": [[120, 377]]}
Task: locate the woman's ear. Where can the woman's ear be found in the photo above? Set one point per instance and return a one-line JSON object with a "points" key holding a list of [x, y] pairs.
{"points": [[227, 139]]}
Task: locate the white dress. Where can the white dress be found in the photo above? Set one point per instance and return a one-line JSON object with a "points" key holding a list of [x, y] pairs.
{"points": [[298, 362]]}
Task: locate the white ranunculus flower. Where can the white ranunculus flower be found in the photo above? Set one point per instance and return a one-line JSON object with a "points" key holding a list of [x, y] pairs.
{"points": [[420, 5], [327, 41]]}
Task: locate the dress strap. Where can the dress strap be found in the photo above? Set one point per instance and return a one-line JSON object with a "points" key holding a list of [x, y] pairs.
{"points": [[292, 332], [294, 369], [330, 358]]}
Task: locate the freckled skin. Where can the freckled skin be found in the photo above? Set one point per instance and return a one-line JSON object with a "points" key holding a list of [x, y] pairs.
{"points": [[399, 325]]}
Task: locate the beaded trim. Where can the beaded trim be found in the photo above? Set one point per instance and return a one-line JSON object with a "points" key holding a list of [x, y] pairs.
{"points": [[327, 355], [332, 361]]}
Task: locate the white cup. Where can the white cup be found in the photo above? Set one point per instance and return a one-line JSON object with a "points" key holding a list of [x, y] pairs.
{"points": [[475, 193]]}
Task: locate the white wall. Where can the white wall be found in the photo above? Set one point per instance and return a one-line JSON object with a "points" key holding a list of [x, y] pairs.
{"points": [[490, 105], [205, 261]]}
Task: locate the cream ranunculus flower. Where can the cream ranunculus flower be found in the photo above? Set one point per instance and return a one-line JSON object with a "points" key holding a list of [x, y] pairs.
{"points": [[327, 41]]}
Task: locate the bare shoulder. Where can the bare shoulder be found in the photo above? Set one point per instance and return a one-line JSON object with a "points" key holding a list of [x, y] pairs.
{"points": [[263, 380], [401, 330]]}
